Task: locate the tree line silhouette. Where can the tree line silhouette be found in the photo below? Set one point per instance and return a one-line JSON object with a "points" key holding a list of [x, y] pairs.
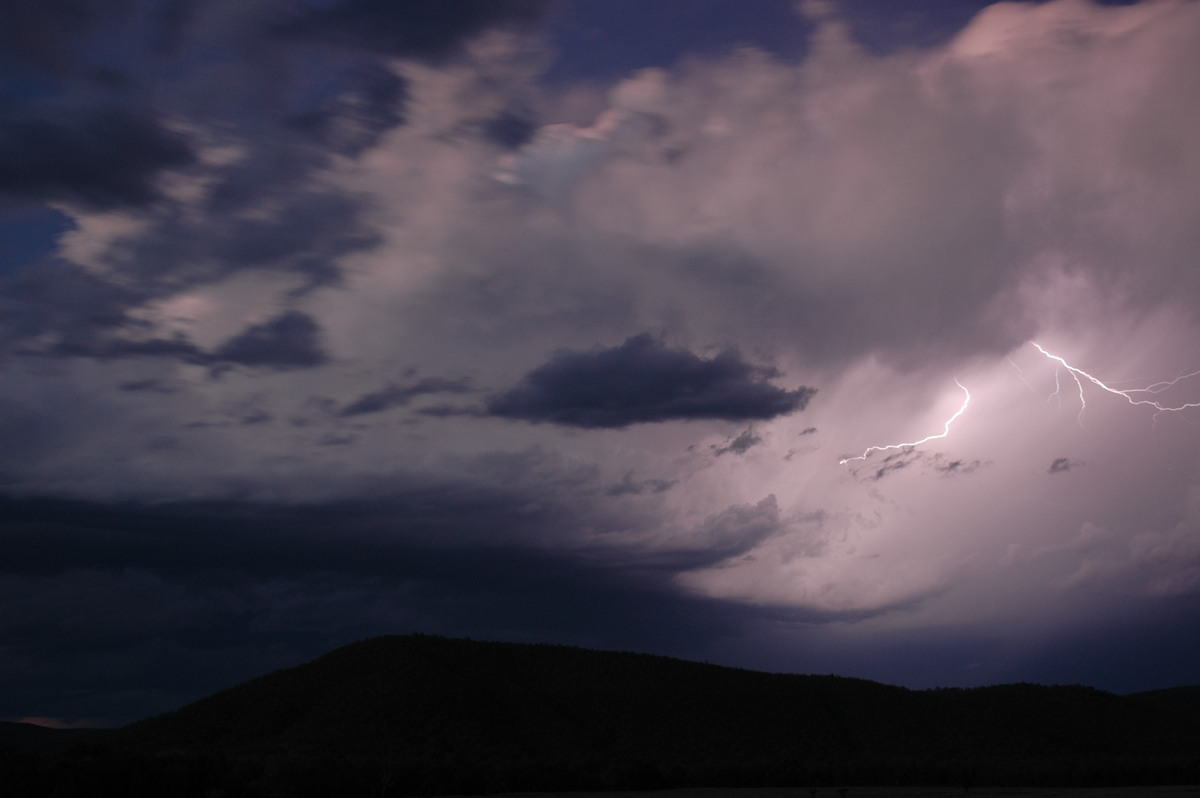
{"points": [[426, 715]]}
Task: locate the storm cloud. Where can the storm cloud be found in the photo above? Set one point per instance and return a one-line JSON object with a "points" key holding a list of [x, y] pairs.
{"points": [[397, 395], [100, 157], [644, 381], [291, 340]]}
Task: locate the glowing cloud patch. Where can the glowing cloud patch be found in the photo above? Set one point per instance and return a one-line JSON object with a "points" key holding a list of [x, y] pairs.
{"points": [[908, 445]]}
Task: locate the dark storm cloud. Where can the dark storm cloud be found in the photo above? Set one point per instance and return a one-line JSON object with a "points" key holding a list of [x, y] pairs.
{"points": [[509, 130], [735, 531], [300, 232], [310, 227], [291, 340], [105, 158], [112, 348], [452, 411], [644, 381], [372, 105], [147, 386], [42, 32], [42, 310], [716, 541], [85, 126], [40, 324], [60, 301], [85, 580], [400, 395], [426, 29], [213, 540]]}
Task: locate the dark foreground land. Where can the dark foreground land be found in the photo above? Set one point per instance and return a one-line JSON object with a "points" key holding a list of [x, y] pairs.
{"points": [[893, 792], [901, 792], [422, 715]]}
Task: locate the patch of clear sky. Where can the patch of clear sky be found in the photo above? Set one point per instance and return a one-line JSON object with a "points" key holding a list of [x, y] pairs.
{"points": [[610, 39]]}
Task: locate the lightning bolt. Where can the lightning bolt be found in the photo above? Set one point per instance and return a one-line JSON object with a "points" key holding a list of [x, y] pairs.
{"points": [[945, 431], [1131, 395], [1135, 396], [1021, 374]]}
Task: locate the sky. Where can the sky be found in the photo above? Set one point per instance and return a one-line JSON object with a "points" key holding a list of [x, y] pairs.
{"points": [[832, 336]]}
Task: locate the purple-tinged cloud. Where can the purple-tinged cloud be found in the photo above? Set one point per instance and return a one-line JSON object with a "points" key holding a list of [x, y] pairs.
{"points": [[42, 34], [147, 386], [400, 395], [104, 158], [743, 443], [950, 468], [1061, 465], [291, 340], [508, 130], [628, 486], [353, 122], [643, 381]]}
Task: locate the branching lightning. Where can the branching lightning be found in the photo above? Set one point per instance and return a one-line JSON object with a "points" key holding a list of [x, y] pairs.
{"points": [[1131, 395], [1135, 396], [945, 431]]}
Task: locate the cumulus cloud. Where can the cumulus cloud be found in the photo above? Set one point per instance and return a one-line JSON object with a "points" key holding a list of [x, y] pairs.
{"points": [[644, 381]]}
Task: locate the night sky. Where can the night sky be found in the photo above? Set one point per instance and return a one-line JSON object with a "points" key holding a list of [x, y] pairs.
{"points": [[577, 322]]}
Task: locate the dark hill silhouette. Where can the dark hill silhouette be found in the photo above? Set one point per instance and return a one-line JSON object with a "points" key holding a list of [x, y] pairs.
{"points": [[30, 734], [1184, 701], [421, 715]]}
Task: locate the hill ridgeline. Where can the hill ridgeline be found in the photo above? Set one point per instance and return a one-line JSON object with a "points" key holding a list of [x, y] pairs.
{"points": [[423, 715]]}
